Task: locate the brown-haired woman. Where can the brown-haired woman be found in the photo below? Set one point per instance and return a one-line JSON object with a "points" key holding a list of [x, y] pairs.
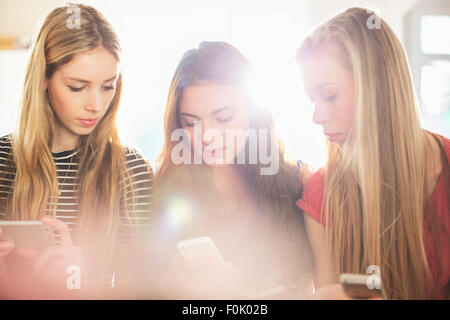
{"points": [[212, 181]]}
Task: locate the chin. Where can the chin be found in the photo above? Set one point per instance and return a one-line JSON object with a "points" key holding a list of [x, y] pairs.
{"points": [[214, 162], [85, 131], [217, 165]]}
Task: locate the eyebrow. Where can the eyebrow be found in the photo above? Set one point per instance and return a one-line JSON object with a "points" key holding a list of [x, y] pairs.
{"points": [[188, 115], [221, 109], [86, 81], [324, 84], [212, 113]]}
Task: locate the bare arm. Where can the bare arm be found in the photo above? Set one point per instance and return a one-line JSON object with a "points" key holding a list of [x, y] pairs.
{"points": [[325, 272]]}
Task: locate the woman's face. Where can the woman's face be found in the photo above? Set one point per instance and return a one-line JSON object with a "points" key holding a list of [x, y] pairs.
{"points": [[216, 109], [329, 84], [81, 91]]}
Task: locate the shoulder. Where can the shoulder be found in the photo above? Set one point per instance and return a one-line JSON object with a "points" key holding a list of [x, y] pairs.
{"points": [[135, 160], [6, 142], [446, 143], [6, 150], [304, 172], [140, 175], [139, 169], [315, 183], [438, 146], [312, 197]]}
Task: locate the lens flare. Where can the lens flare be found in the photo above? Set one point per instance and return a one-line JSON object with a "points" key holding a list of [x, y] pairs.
{"points": [[179, 212]]}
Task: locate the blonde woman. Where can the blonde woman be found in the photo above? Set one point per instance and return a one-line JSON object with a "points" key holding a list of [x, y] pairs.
{"points": [[66, 165], [383, 197]]}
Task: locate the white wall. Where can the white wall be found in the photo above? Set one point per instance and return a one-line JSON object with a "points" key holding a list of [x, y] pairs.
{"points": [[392, 11], [2, 12], [155, 33], [20, 17], [12, 66]]}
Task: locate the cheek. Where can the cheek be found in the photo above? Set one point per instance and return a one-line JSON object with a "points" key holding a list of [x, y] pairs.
{"points": [[107, 99], [61, 102], [342, 112], [348, 110], [240, 125], [239, 122], [190, 140]]}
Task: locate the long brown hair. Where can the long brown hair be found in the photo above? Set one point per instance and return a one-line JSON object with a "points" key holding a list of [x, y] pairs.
{"points": [[375, 187], [102, 169], [221, 63]]}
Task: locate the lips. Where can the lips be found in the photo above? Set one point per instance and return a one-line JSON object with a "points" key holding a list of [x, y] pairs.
{"points": [[87, 122], [214, 153], [332, 136]]}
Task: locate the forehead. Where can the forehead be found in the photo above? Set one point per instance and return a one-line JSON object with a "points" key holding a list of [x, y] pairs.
{"points": [[95, 65], [324, 65], [203, 99]]}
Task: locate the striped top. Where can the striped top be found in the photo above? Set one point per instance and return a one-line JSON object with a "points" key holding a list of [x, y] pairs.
{"points": [[67, 163]]}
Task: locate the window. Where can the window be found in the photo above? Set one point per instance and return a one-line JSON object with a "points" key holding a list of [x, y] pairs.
{"points": [[428, 45]]}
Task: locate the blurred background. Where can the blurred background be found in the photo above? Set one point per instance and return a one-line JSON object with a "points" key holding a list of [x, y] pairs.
{"points": [[154, 35]]}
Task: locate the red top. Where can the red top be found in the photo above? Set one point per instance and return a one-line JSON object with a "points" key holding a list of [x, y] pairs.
{"points": [[311, 203]]}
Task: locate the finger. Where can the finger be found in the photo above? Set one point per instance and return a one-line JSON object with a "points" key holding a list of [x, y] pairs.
{"points": [[56, 267], [199, 263], [28, 253], [50, 256], [177, 263], [212, 275], [229, 270], [61, 228], [60, 260], [6, 246], [46, 256]]}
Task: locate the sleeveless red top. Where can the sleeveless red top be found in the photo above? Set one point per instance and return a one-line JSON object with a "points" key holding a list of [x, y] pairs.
{"points": [[311, 204]]}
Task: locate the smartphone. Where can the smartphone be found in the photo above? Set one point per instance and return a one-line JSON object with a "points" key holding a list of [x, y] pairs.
{"points": [[27, 234], [356, 286], [201, 247]]}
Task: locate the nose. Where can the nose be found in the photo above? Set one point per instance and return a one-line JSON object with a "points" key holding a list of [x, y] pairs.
{"points": [[212, 134], [94, 102], [321, 114], [207, 137]]}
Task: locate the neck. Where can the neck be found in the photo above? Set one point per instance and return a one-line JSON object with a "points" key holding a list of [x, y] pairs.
{"points": [[226, 180], [64, 140]]}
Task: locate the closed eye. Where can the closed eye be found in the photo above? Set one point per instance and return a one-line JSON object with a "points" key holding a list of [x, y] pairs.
{"points": [[191, 124], [108, 88], [75, 89], [223, 120], [331, 98]]}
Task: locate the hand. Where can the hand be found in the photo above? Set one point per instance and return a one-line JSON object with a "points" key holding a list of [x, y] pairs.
{"points": [[5, 249], [198, 278], [333, 292], [50, 266]]}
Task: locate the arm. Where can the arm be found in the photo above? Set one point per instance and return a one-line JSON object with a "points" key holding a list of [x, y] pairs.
{"points": [[325, 272], [132, 257]]}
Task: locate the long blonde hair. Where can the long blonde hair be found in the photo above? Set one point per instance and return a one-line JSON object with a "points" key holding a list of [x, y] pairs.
{"points": [[102, 168], [375, 195]]}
